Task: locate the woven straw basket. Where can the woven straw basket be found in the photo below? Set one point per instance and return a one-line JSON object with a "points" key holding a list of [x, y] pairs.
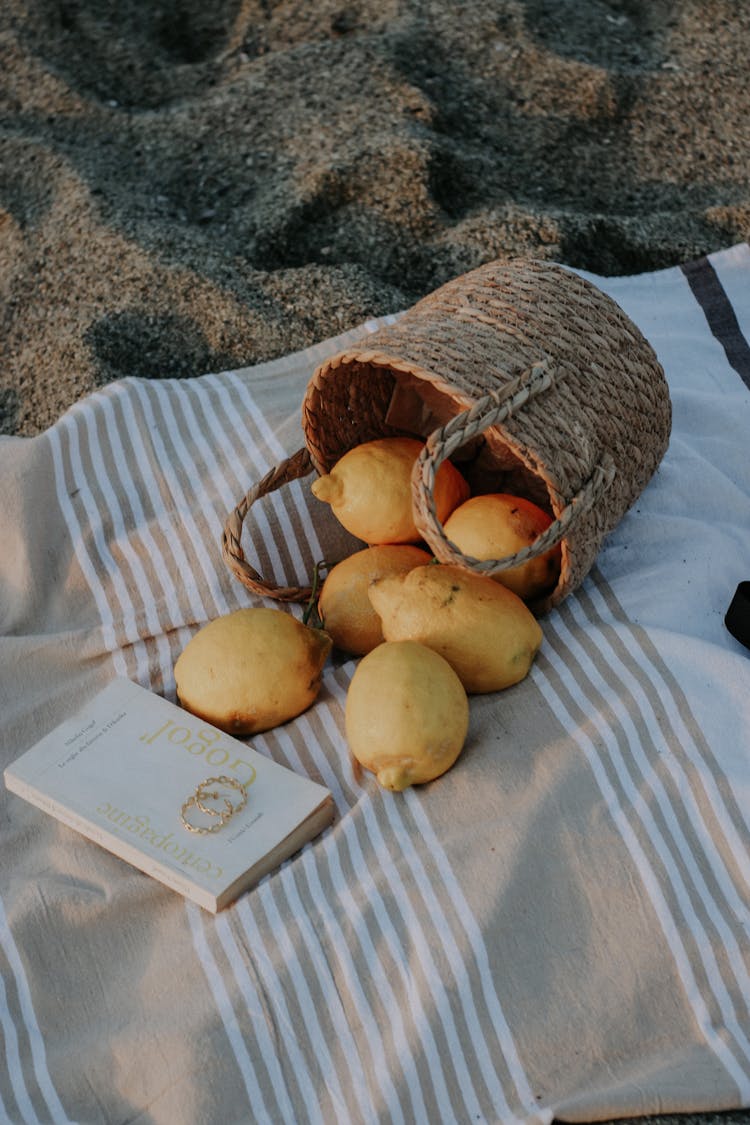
{"points": [[530, 378]]}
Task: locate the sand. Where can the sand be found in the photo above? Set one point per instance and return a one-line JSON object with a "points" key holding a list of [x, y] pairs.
{"points": [[191, 187]]}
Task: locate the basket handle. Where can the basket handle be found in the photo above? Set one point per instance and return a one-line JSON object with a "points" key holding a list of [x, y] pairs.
{"points": [[487, 411], [294, 467]]}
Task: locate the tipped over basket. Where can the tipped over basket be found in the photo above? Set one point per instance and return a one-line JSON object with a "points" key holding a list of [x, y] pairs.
{"points": [[526, 375]]}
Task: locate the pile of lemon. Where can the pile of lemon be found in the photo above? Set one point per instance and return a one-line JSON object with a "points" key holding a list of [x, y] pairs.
{"points": [[428, 634]]}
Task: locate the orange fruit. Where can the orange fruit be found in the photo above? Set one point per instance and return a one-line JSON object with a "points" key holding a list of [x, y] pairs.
{"points": [[498, 524]]}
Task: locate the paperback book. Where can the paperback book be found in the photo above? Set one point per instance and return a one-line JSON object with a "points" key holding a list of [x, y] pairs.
{"points": [[182, 801]]}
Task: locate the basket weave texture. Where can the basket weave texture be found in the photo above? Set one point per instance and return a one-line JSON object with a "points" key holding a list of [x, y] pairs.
{"points": [[540, 376]]}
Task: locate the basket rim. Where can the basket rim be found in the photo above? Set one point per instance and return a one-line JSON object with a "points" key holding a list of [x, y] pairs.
{"points": [[460, 398]]}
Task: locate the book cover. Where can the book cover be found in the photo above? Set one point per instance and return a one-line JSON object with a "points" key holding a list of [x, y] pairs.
{"points": [[126, 771]]}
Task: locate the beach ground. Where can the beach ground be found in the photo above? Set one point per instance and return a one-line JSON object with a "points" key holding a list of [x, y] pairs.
{"points": [[188, 188]]}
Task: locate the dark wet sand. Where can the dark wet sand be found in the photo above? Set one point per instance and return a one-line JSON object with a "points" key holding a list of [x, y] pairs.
{"points": [[191, 187]]}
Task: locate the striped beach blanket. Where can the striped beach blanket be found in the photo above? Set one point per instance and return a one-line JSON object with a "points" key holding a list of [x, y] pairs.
{"points": [[559, 927]]}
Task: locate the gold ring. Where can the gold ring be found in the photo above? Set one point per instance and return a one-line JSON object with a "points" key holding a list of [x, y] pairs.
{"points": [[202, 794], [202, 829]]}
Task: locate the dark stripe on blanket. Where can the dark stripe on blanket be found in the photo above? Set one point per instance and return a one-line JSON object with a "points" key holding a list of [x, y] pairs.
{"points": [[710, 295]]}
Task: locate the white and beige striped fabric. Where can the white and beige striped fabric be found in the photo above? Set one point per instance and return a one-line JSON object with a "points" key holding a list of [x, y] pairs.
{"points": [[557, 928]]}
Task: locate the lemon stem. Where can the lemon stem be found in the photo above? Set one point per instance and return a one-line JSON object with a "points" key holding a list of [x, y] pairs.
{"points": [[311, 616]]}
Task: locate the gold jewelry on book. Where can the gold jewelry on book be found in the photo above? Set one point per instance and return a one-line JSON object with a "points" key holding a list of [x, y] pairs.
{"points": [[201, 829], [202, 794]]}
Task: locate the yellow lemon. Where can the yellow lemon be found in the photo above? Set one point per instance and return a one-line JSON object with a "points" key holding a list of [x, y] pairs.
{"points": [[348, 616], [485, 632], [369, 490], [406, 714], [252, 669], [496, 525]]}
